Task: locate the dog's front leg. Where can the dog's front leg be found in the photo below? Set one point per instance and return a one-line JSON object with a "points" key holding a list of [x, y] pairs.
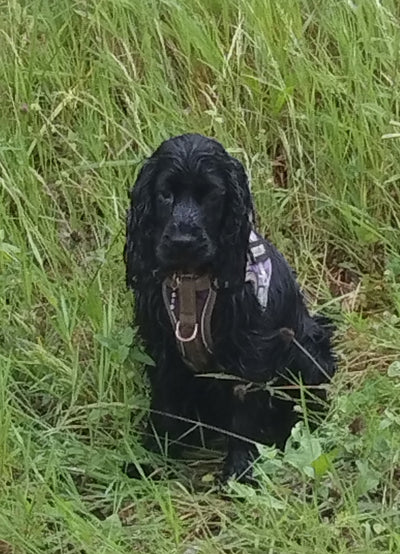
{"points": [[242, 450], [169, 427]]}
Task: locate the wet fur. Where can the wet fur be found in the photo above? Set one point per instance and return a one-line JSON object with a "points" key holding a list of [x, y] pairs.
{"points": [[248, 341]]}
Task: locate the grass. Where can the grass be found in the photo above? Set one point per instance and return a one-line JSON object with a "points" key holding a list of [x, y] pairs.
{"points": [[306, 94]]}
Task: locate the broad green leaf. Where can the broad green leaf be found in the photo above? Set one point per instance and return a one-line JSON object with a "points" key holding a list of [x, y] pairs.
{"points": [[127, 336], [140, 356], [394, 369], [368, 478], [322, 464], [107, 342]]}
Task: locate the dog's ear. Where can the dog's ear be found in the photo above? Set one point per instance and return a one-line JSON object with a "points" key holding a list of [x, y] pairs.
{"points": [[139, 251], [234, 238]]}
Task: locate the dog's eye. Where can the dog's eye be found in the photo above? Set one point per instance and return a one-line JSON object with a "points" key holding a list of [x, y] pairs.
{"points": [[214, 196], [166, 196], [207, 195]]}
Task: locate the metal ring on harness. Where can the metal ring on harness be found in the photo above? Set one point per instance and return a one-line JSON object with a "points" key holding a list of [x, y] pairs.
{"points": [[186, 339]]}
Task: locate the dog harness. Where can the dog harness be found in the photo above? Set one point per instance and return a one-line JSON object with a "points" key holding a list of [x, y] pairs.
{"points": [[190, 299]]}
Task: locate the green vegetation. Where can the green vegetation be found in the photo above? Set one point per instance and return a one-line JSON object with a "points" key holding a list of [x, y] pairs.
{"points": [[306, 94]]}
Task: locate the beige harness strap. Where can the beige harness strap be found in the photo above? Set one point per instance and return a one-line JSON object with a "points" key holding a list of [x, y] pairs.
{"points": [[188, 326], [190, 302]]}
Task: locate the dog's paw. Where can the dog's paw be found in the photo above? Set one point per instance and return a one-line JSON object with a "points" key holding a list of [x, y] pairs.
{"points": [[239, 466]]}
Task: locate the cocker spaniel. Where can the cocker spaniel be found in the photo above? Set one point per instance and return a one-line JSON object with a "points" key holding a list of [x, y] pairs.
{"points": [[218, 307]]}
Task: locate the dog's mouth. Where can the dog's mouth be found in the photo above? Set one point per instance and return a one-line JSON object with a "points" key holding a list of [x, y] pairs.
{"points": [[178, 262], [188, 270]]}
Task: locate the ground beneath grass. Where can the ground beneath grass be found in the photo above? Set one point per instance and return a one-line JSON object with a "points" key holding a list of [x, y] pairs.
{"points": [[306, 94]]}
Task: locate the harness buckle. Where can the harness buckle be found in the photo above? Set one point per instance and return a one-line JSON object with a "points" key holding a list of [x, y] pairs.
{"points": [[186, 339]]}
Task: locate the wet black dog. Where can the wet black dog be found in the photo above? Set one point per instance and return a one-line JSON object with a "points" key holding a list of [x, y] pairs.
{"points": [[212, 296]]}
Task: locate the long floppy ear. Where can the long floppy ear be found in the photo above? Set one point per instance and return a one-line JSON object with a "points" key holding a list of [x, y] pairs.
{"points": [[234, 237], [139, 248]]}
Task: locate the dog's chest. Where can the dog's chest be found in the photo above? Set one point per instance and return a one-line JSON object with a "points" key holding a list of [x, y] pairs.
{"points": [[190, 301]]}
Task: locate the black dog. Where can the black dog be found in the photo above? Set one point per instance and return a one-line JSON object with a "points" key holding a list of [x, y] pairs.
{"points": [[212, 296]]}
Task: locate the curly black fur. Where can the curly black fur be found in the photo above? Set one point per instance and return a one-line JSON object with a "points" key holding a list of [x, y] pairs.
{"points": [[190, 210]]}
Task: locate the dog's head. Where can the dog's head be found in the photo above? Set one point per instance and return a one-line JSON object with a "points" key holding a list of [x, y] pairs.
{"points": [[189, 212]]}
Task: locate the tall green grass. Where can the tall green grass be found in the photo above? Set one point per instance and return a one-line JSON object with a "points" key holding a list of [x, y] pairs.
{"points": [[306, 94]]}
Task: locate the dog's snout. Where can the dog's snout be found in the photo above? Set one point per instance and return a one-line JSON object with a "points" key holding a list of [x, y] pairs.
{"points": [[184, 234], [182, 241], [184, 245]]}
